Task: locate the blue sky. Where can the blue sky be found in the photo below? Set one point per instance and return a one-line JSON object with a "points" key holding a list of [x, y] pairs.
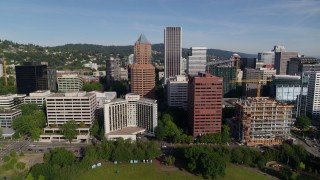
{"points": [[247, 26]]}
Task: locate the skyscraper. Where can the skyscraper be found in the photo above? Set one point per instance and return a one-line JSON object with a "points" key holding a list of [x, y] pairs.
{"points": [[197, 60], [173, 51], [313, 97], [142, 71], [281, 60], [31, 77], [205, 104]]}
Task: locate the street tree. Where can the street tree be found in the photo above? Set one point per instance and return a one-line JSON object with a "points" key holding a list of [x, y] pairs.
{"points": [[69, 130], [303, 122]]}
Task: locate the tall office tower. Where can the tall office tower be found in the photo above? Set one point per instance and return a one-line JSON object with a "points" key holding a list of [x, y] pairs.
{"points": [[205, 104], [281, 60], [313, 97], [197, 60], [112, 70], [64, 107], [172, 52], [69, 83], [177, 92], [278, 48], [31, 77], [228, 73], [263, 121], [142, 71]]}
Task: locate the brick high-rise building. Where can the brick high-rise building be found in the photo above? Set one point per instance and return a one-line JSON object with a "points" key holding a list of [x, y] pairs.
{"points": [[205, 104], [142, 71], [173, 52]]}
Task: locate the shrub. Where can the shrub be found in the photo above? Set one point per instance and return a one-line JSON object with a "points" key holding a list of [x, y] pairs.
{"points": [[21, 154], [6, 158], [21, 165], [8, 166], [13, 153]]}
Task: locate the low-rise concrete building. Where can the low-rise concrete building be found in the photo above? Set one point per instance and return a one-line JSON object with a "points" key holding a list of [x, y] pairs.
{"points": [[10, 101], [37, 97], [69, 83], [7, 116]]}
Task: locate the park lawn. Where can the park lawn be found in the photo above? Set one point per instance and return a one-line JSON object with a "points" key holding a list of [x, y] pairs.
{"points": [[241, 172], [152, 171]]}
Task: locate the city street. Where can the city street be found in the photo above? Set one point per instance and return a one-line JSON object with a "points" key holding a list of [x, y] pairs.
{"points": [[311, 147]]}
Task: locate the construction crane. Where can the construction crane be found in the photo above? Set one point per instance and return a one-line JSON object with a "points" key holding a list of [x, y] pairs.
{"points": [[259, 81], [5, 71]]}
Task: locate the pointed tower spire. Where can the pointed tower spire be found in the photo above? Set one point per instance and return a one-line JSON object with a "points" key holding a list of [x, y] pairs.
{"points": [[142, 40]]}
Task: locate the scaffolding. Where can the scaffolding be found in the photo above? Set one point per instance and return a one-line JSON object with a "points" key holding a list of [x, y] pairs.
{"points": [[264, 121]]}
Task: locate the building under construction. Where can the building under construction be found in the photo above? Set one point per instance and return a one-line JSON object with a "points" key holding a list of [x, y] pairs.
{"points": [[263, 121]]}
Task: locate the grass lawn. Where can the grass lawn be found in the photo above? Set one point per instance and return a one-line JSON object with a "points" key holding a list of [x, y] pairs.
{"points": [[152, 171]]}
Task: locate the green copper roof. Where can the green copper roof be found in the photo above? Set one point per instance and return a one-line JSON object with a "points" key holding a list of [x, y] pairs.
{"points": [[142, 40]]}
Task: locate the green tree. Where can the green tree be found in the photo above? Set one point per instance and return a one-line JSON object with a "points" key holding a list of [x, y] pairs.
{"points": [[35, 134], [225, 134], [62, 157], [29, 176], [169, 160], [69, 130], [237, 155], [212, 165], [303, 122]]}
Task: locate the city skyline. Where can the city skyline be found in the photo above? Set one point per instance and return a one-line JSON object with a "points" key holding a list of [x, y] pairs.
{"points": [[241, 26]]}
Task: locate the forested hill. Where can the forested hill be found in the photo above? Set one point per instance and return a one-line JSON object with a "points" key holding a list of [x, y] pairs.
{"points": [[73, 56]]}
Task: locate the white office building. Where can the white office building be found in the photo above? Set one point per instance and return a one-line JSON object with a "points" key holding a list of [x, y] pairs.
{"points": [[37, 97], [197, 60], [177, 92], [10, 101], [7, 117], [69, 83], [130, 116], [313, 97], [64, 107]]}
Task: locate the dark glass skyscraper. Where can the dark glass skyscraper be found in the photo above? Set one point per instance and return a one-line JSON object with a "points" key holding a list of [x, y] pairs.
{"points": [[31, 77]]}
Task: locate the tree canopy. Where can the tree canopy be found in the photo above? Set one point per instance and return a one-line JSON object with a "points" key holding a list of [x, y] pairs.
{"points": [[69, 130], [303, 122]]}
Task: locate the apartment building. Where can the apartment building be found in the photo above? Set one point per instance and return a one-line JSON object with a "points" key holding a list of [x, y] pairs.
{"points": [[127, 117]]}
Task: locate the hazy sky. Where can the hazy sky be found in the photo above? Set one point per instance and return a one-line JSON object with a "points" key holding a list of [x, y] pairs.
{"points": [[247, 26]]}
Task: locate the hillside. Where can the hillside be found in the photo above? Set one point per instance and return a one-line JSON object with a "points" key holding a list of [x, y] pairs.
{"points": [[73, 56]]}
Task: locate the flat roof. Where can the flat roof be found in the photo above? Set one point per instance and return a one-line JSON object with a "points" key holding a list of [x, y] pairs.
{"points": [[128, 131]]}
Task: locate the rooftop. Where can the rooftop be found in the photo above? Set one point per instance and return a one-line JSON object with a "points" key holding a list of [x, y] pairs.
{"points": [[142, 40], [128, 131]]}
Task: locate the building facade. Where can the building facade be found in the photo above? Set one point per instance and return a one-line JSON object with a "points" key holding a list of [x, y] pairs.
{"points": [[263, 121], [296, 66], [286, 88], [69, 83], [37, 97], [229, 74], [52, 80], [64, 107], [131, 112], [177, 92], [7, 117], [172, 52], [112, 70], [31, 77], [10, 101], [197, 60], [313, 97], [205, 104]]}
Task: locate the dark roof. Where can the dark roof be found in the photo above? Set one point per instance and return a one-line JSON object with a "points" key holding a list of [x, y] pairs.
{"points": [[142, 40]]}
